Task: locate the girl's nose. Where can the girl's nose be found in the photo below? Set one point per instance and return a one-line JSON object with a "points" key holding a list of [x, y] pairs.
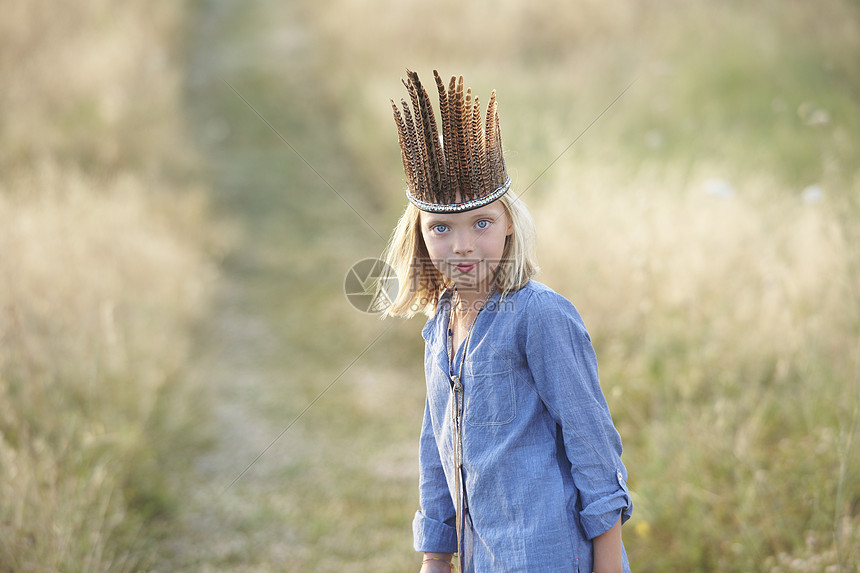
{"points": [[463, 244]]}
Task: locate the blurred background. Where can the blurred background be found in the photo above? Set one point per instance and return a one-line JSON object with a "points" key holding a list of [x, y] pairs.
{"points": [[183, 187]]}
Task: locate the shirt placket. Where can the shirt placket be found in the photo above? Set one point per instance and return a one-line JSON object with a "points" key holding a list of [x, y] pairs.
{"points": [[456, 423], [457, 407]]}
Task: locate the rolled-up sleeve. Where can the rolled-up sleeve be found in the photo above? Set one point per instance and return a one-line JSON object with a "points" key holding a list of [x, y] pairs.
{"points": [[434, 527], [564, 367]]}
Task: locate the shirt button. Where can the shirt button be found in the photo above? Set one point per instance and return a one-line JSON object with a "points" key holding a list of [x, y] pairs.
{"points": [[620, 478]]}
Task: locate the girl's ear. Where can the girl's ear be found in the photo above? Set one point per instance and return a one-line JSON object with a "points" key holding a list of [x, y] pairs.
{"points": [[510, 224]]}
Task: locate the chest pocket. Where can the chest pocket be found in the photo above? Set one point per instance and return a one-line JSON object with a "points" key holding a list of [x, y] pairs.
{"points": [[490, 397]]}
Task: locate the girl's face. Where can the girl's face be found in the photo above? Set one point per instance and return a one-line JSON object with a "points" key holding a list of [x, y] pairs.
{"points": [[467, 247]]}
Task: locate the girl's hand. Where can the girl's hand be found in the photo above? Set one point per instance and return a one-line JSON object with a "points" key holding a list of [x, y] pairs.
{"points": [[437, 563]]}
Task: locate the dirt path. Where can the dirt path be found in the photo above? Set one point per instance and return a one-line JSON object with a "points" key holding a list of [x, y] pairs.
{"points": [[308, 468]]}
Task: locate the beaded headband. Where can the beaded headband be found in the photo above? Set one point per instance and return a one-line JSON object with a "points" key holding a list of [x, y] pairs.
{"points": [[464, 168]]}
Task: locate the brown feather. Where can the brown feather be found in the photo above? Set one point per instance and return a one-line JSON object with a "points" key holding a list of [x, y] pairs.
{"points": [[493, 144], [423, 152], [417, 156], [448, 174], [411, 152], [455, 105], [463, 125], [490, 138], [501, 169], [479, 155], [431, 135], [405, 148]]}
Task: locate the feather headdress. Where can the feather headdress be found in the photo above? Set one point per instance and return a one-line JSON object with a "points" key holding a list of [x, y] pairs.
{"points": [[460, 169]]}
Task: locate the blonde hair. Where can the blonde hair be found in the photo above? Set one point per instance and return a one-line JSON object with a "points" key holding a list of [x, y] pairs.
{"points": [[420, 284]]}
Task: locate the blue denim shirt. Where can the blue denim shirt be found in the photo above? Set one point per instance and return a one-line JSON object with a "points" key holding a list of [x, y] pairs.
{"points": [[541, 456]]}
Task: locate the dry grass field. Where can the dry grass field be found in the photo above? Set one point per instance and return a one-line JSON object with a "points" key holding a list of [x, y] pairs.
{"points": [[103, 272], [706, 223], [707, 228]]}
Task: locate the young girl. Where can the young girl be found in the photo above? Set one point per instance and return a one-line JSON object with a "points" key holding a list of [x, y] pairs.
{"points": [[520, 466]]}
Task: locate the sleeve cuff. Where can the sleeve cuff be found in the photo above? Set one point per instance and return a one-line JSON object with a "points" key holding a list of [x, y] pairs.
{"points": [[432, 536], [601, 514]]}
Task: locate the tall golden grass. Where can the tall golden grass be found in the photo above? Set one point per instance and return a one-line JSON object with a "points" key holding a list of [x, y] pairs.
{"points": [[706, 227], [722, 298], [103, 270], [728, 332]]}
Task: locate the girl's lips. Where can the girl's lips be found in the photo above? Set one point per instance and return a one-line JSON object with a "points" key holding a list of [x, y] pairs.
{"points": [[466, 267]]}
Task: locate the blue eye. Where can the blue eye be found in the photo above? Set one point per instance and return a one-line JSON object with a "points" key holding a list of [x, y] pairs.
{"points": [[440, 228], [482, 224]]}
